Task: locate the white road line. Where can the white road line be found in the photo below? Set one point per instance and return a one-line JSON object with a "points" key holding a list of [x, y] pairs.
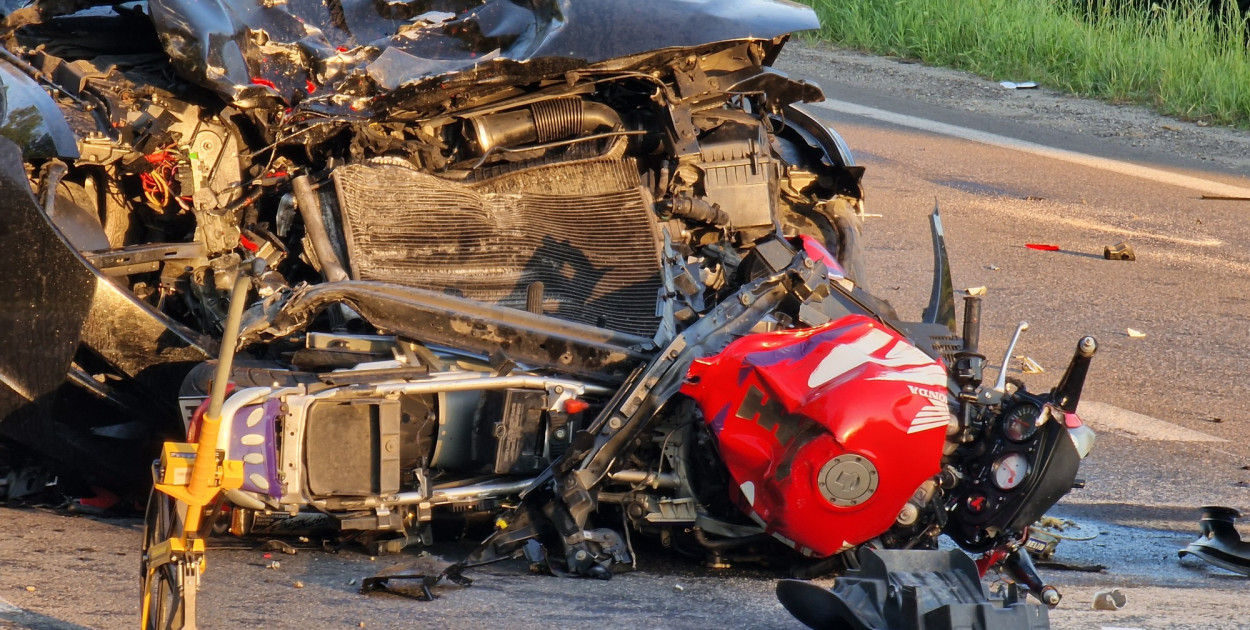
{"points": [[1101, 416], [1206, 186]]}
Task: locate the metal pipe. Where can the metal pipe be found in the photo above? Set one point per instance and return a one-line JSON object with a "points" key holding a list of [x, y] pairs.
{"points": [[644, 477], [315, 227], [436, 385], [463, 494]]}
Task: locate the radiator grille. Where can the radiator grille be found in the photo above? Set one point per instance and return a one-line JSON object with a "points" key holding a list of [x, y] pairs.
{"points": [[583, 229]]}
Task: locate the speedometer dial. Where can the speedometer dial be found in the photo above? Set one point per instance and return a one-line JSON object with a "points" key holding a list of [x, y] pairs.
{"points": [[1020, 422], [1010, 470]]}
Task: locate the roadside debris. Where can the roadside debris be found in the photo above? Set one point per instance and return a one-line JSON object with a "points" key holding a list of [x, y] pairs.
{"points": [[1018, 85], [975, 291], [679, 588], [1224, 198], [1042, 247], [1135, 334], [1029, 366], [1045, 534], [1111, 599], [1119, 251], [274, 544], [1220, 544]]}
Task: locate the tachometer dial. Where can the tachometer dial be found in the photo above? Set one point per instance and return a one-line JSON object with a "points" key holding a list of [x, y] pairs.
{"points": [[1020, 423], [1010, 470]]}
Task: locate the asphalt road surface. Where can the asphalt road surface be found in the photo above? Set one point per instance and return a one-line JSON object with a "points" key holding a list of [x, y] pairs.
{"points": [[1008, 168]]}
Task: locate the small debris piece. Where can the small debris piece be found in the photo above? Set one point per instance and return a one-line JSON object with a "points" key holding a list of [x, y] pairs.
{"points": [[298, 584], [273, 564], [278, 545], [1225, 198], [1070, 566], [1136, 334], [993, 267], [1042, 247], [975, 291], [1018, 85], [1111, 599], [1119, 251], [30, 589], [679, 588], [351, 582], [1217, 420], [1171, 128], [1029, 366]]}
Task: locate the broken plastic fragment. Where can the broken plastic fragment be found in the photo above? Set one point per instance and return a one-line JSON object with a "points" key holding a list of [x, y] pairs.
{"points": [[1136, 334], [1119, 251], [1112, 599], [1018, 85], [1029, 366], [975, 291], [1042, 247]]}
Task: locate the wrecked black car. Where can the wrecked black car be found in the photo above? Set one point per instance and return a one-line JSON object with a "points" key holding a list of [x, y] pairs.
{"points": [[170, 142]]}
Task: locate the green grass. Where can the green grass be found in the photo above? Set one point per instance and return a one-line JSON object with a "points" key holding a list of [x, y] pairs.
{"points": [[1179, 60]]}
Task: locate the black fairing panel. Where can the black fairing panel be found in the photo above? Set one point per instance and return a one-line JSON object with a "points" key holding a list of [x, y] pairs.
{"points": [[232, 46], [54, 302], [29, 117]]}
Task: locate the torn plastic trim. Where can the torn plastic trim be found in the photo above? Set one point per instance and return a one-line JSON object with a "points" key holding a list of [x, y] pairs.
{"points": [[941, 308]]}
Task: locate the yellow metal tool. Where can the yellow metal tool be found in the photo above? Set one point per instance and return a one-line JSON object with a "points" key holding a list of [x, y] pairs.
{"points": [[188, 479]]}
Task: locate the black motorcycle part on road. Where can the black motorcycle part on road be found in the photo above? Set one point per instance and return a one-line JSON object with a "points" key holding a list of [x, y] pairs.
{"points": [[909, 590], [1220, 544]]}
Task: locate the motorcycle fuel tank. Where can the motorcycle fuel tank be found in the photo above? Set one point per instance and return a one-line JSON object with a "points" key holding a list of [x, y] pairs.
{"points": [[827, 431]]}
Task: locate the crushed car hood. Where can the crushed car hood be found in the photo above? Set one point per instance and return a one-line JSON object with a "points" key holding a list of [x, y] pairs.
{"points": [[295, 49]]}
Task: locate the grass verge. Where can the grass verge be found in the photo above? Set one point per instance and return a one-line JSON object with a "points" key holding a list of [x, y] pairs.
{"points": [[1177, 58]]}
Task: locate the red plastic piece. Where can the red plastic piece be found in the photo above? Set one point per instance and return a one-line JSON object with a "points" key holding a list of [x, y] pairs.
{"points": [[574, 405], [783, 405], [817, 251], [989, 559], [248, 244], [1042, 247], [265, 82], [103, 499]]}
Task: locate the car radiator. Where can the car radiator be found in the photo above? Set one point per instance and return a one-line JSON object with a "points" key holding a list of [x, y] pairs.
{"points": [[583, 229]]}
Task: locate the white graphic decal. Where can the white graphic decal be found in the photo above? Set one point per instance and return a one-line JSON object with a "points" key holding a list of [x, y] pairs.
{"points": [[847, 357], [931, 416]]}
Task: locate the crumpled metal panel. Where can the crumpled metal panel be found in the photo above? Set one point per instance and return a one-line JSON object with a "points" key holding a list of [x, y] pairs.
{"points": [[296, 47]]}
